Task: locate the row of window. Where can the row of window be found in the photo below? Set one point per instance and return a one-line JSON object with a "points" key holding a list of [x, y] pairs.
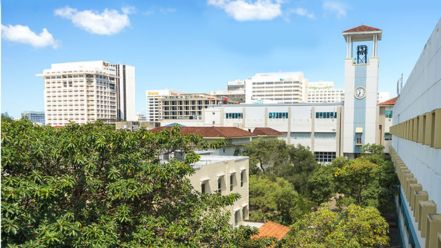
{"points": [[233, 116], [325, 115], [278, 115], [205, 185], [324, 157]]}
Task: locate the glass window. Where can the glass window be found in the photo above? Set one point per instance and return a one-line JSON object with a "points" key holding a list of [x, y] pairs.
{"points": [[231, 181]]}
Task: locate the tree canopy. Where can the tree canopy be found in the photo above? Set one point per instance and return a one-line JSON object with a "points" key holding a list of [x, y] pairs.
{"points": [[89, 185], [350, 227]]}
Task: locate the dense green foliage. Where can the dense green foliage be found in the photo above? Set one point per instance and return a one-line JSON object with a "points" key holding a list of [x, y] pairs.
{"points": [[350, 227], [274, 198], [92, 186]]}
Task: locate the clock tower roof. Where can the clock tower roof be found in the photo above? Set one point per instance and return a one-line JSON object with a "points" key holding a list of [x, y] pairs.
{"points": [[363, 32]]}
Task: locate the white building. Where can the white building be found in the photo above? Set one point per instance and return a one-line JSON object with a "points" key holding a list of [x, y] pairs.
{"points": [[324, 92], [34, 116], [317, 126], [225, 175], [281, 87], [361, 88], [416, 144], [154, 103], [87, 91]]}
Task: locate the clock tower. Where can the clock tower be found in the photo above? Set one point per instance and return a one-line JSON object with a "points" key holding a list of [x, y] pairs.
{"points": [[361, 88]]}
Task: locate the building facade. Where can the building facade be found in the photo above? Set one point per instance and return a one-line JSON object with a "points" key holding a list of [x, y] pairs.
{"points": [[34, 116], [88, 91], [225, 175], [170, 105], [283, 88], [385, 115], [317, 126], [416, 149], [361, 88], [324, 92]]}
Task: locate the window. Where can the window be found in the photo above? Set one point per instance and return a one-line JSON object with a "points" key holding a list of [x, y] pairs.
{"points": [[325, 115], [233, 115], [231, 181], [242, 177], [388, 113], [324, 157], [204, 187], [278, 115], [358, 140], [245, 213], [236, 217], [219, 185], [387, 136]]}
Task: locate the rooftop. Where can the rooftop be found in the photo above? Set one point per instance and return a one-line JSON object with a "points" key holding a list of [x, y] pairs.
{"points": [[389, 102], [362, 28], [272, 230], [266, 131], [212, 132]]}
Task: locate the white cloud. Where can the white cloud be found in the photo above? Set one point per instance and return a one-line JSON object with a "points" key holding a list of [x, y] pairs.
{"points": [[339, 9], [108, 22], [23, 34], [242, 10], [303, 12]]}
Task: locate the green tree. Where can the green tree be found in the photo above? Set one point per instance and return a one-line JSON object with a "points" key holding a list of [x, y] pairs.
{"points": [[301, 165], [273, 198], [352, 227], [92, 186], [321, 184], [266, 153]]}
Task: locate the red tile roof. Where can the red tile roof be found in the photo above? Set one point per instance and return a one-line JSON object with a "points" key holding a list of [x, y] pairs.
{"points": [[272, 230], [266, 131], [362, 28], [212, 132], [389, 102]]}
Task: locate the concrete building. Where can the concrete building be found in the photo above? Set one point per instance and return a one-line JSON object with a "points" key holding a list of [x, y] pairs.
{"points": [[170, 105], [154, 103], [317, 126], [88, 91], [233, 138], [416, 149], [34, 116], [385, 115], [324, 92], [361, 88], [281, 87], [225, 175]]}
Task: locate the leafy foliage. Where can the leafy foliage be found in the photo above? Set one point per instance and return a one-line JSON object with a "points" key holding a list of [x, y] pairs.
{"points": [[92, 186], [353, 226], [274, 198]]}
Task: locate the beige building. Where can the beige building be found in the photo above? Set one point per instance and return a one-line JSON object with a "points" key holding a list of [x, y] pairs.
{"points": [[385, 114], [88, 91], [324, 92], [225, 175]]}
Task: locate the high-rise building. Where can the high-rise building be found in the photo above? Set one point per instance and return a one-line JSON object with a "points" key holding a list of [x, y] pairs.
{"points": [[34, 116], [88, 91], [361, 88], [280, 87], [154, 103], [416, 149], [323, 92], [170, 105]]}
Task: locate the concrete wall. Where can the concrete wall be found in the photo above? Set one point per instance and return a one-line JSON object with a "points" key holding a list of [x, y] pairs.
{"points": [[211, 168]]}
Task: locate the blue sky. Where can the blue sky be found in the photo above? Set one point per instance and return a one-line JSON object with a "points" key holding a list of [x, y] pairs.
{"points": [[199, 45]]}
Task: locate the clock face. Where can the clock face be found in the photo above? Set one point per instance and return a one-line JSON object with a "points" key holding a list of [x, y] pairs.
{"points": [[360, 93]]}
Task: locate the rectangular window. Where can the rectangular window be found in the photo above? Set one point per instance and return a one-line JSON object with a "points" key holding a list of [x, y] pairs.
{"points": [[242, 178], [325, 115], [231, 181], [387, 136], [358, 140], [388, 113], [219, 185], [233, 116], [278, 115], [236, 217]]}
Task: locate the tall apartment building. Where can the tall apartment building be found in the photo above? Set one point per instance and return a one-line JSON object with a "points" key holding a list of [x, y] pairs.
{"points": [[280, 87], [170, 105], [34, 116], [324, 92], [416, 149], [88, 91]]}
